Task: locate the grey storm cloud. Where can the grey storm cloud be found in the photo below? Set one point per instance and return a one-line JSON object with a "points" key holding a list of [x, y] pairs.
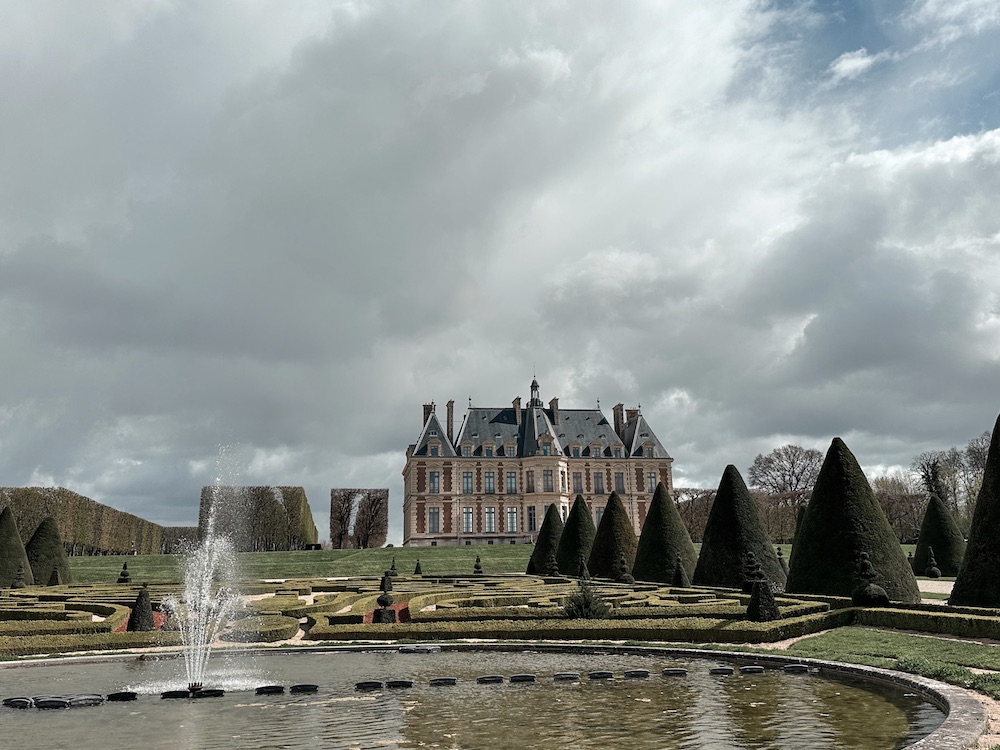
{"points": [[234, 224]]}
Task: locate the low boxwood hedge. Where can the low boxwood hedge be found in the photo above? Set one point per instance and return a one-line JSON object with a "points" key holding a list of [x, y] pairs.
{"points": [[261, 629], [59, 644]]}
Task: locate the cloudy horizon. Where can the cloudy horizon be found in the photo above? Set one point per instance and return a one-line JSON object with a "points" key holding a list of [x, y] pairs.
{"points": [[285, 227]]}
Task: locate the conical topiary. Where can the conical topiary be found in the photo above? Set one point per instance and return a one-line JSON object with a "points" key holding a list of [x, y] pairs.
{"points": [[844, 519], [576, 539], [477, 569], [932, 570], [582, 567], [734, 530], [417, 570], [12, 553], [46, 553], [753, 573], [939, 530], [18, 578], [124, 576], [614, 538], [978, 580], [141, 618], [782, 561], [762, 607], [551, 566], [624, 576], [664, 542], [547, 541]]}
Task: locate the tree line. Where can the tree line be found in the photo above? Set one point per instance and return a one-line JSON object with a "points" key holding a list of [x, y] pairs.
{"points": [[359, 518], [259, 518]]}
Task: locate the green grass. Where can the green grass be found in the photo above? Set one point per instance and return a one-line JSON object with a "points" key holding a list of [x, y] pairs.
{"points": [[508, 558]]}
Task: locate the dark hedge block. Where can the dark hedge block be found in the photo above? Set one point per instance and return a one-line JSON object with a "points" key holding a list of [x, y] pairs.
{"points": [[614, 539], [547, 541], [939, 530], [576, 539], [46, 553], [664, 542]]}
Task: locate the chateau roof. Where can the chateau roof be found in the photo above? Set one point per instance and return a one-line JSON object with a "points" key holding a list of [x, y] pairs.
{"points": [[433, 431], [638, 435]]}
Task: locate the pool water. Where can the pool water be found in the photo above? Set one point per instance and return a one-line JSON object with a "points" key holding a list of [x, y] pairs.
{"points": [[699, 711]]}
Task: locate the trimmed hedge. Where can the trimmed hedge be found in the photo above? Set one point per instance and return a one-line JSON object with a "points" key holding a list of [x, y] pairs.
{"points": [[61, 644], [664, 542], [615, 539], [547, 541], [12, 554], [262, 629], [939, 532], [46, 554], [577, 539]]}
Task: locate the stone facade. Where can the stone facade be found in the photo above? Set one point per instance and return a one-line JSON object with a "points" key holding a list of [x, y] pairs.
{"points": [[491, 482]]}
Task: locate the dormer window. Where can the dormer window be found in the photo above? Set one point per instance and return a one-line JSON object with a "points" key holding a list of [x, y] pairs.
{"points": [[546, 450], [489, 451], [618, 452], [434, 450], [467, 451], [433, 433]]}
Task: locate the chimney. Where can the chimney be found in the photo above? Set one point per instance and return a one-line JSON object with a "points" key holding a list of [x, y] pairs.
{"points": [[619, 412], [554, 408], [451, 421], [516, 403], [428, 410], [630, 414]]}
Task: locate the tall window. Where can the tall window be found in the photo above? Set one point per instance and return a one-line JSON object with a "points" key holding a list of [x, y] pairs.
{"points": [[467, 451], [489, 485], [599, 483], [599, 514], [434, 450], [651, 481], [578, 482], [491, 520], [562, 481], [532, 519], [529, 480], [576, 451], [435, 482], [618, 452], [511, 482], [619, 481], [596, 452], [434, 520], [547, 480], [509, 450], [546, 450], [489, 451], [467, 520], [511, 520], [467, 482]]}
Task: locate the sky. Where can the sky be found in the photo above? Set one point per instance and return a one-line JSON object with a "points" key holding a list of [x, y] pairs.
{"points": [[274, 230]]}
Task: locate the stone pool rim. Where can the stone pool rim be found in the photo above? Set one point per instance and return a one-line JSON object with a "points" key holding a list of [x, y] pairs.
{"points": [[964, 723]]}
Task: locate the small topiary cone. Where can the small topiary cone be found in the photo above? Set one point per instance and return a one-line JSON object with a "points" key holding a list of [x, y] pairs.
{"points": [[385, 585], [584, 571], [418, 571], [18, 578], [124, 576], [868, 593], [551, 566], [752, 573], [477, 569], [624, 576], [762, 607], [54, 578], [392, 568], [141, 618], [932, 570], [782, 561]]}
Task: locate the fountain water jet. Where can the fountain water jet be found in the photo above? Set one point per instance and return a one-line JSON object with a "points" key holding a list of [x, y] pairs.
{"points": [[210, 598]]}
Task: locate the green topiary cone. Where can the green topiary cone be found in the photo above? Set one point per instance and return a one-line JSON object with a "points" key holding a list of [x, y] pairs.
{"points": [[576, 539], [843, 519], [939, 531], [733, 531], [12, 554], [547, 541], [978, 580], [664, 540], [141, 617], [46, 553], [614, 539]]}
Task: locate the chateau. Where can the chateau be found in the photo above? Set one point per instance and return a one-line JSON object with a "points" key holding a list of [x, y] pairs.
{"points": [[491, 482]]}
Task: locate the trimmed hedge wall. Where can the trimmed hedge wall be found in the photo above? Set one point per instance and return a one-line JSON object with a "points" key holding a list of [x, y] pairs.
{"points": [[262, 628], [61, 644]]}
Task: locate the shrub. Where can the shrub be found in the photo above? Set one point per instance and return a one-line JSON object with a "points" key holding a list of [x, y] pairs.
{"points": [[939, 530], [576, 539], [681, 579], [762, 607], [664, 542], [733, 531], [614, 539], [842, 520], [585, 604], [124, 576], [141, 619], [46, 553], [12, 555], [978, 580], [547, 541]]}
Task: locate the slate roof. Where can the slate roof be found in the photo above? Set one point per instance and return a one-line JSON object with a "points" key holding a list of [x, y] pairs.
{"points": [[638, 434], [433, 430]]}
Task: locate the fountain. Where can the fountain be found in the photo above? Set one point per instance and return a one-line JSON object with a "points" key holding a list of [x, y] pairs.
{"points": [[210, 598]]}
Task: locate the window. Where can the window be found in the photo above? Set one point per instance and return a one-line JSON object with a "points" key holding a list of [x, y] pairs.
{"points": [[546, 450], [433, 520], [599, 514], [578, 482], [434, 544], [511, 482], [466, 520], [599, 483], [467, 482], [489, 451], [489, 486], [491, 520], [562, 481], [529, 478], [467, 451], [652, 451], [618, 452], [619, 481], [532, 519], [511, 521], [433, 433], [576, 451], [596, 452], [435, 482], [651, 481], [468, 542], [547, 485], [509, 450], [434, 450]]}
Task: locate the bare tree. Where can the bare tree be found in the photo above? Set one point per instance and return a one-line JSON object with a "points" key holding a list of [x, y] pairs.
{"points": [[694, 504], [342, 504], [786, 469], [371, 524]]}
